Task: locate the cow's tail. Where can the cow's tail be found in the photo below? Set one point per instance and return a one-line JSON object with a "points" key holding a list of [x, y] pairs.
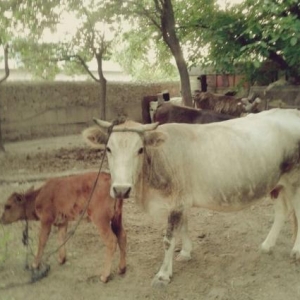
{"points": [[116, 222], [294, 222], [293, 219]]}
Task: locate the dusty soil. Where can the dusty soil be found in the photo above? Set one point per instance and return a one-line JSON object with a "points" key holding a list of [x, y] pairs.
{"points": [[226, 263]]}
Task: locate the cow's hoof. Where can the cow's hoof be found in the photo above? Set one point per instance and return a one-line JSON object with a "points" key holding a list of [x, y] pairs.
{"points": [[122, 270], [183, 257], [158, 282], [266, 249], [295, 254]]}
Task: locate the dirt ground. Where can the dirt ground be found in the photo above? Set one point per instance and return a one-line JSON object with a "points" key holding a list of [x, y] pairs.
{"points": [[226, 262]]}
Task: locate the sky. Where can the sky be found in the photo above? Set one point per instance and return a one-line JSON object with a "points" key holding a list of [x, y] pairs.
{"points": [[68, 26]]}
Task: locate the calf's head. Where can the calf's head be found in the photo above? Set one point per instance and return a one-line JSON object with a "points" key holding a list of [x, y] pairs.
{"points": [[14, 209], [125, 150]]}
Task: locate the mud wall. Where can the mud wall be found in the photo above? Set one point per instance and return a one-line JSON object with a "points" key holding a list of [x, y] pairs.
{"points": [[31, 110]]}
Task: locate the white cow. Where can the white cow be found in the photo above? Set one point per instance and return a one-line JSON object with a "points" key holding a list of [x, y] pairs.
{"points": [[222, 166]]}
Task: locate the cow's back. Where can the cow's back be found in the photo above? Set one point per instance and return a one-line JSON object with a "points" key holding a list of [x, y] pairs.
{"points": [[237, 154]]}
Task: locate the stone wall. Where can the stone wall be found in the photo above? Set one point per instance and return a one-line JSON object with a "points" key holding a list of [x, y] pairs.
{"points": [[31, 110]]}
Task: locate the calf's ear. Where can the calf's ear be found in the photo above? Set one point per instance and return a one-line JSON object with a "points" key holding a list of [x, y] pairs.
{"points": [[19, 198], [94, 136], [154, 138], [31, 189]]}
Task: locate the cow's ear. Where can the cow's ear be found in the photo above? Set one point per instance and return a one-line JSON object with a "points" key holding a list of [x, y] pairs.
{"points": [[94, 136], [154, 138]]}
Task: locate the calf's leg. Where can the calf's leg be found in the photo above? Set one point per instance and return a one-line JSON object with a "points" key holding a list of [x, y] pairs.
{"points": [[110, 242], [43, 238], [122, 241], [62, 233]]}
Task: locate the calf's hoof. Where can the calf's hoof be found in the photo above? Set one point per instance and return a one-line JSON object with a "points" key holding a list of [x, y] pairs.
{"points": [[104, 278], [62, 260], [35, 265], [159, 282], [122, 270]]}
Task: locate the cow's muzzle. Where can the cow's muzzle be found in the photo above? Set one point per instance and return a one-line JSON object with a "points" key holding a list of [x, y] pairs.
{"points": [[121, 191]]}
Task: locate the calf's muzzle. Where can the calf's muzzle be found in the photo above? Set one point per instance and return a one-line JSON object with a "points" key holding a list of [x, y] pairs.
{"points": [[121, 191]]}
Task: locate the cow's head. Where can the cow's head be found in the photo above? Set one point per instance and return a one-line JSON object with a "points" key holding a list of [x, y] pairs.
{"points": [[14, 209], [126, 147]]}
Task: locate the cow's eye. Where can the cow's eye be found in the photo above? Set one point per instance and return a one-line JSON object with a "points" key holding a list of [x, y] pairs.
{"points": [[108, 150], [7, 207], [141, 150]]}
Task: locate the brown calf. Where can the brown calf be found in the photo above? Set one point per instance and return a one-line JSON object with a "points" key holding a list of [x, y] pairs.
{"points": [[61, 200]]}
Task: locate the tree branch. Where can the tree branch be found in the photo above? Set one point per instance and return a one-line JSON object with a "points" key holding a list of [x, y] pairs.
{"points": [[83, 63]]}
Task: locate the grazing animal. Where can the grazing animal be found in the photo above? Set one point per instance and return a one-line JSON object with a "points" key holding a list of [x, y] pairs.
{"points": [[170, 113], [150, 104], [224, 166], [225, 104], [61, 200]]}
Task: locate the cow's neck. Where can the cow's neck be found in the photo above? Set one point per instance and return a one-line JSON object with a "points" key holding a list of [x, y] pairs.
{"points": [[154, 175], [30, 197]]}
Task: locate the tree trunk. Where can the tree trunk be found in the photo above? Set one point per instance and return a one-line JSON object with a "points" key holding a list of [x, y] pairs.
{"points": [[2, 149], [171, 39], [6, 67], [103, 84]]}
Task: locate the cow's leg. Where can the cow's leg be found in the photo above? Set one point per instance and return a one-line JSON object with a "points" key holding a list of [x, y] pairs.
{"points": [[122, 241], [163, 277], [62, 233], [43, 238], [110, 242], [295, 254], [185, 253], [279, 219]]}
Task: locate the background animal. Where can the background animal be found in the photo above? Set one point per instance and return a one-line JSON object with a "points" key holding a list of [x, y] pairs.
{"points": [[230, 105], [170, 113], [223, 166], [150, 103], [61, 200]]}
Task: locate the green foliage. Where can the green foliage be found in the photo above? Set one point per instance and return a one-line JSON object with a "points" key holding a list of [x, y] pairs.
{"points": [[252, 33]]}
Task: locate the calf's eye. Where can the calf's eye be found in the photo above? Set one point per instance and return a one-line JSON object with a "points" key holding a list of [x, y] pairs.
{"points": [[108, 150], [141, 150]]}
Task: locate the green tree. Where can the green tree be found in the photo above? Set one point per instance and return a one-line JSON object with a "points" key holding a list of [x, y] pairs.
{"points": [[19, 18], [156, 20], [94, 29], [252, 33]]}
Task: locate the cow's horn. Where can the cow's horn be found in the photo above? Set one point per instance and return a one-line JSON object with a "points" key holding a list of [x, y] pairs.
{"points": [[101, 123]]}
